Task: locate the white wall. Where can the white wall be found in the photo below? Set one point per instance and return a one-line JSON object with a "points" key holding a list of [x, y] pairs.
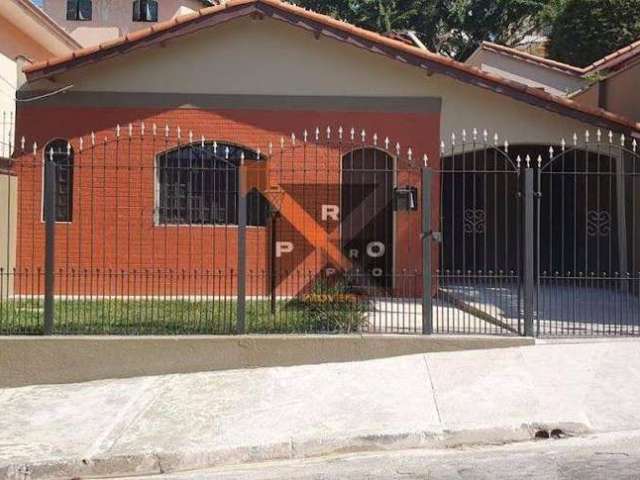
{"points": [[531, 74], [111, 18], [268, 57], [8, 81]]}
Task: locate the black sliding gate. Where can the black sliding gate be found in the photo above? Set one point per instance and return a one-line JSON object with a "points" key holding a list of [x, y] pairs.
{"points": [[536, 240]]}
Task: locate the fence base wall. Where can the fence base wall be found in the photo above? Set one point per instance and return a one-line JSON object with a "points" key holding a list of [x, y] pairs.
{"points": [[35, 361]]}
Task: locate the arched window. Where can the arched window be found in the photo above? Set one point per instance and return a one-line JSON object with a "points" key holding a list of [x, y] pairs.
{"points": [[145, 11], [199, 184], [79, 10], [60, 152]]}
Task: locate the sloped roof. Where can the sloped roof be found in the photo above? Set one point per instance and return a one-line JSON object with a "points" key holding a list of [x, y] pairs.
{"points": [[42, 28], [613, 61], [617, 59], [530, 58], [338, 30]]}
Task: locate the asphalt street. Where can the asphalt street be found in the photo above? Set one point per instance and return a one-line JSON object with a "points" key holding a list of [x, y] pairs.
{"points": [[602, 457]]}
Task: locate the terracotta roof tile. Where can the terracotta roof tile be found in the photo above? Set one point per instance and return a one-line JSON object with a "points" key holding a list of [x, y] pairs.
{"points": [[614, 60], [564, 67], [381, 44], [617, 59]]}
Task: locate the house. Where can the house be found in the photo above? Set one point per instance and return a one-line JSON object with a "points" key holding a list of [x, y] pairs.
{"points": [[532, 70], [94, 21], [608, 83], [615, 80], [153, 130], [26, 35]]}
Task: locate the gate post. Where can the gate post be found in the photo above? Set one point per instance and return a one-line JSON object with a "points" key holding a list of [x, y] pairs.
{"points": [[242, 249], [528, 251], [427, 299], [50, 242]]}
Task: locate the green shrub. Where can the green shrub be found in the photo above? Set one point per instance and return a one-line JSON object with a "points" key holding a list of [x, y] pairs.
{"points": [[330, 307]]}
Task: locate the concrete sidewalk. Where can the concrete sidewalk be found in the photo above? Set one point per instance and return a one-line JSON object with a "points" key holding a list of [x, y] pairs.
{"points": [[179, 422]]}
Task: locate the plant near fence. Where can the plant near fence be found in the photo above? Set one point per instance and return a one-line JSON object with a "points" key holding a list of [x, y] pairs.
{"points": [[331, 308]]}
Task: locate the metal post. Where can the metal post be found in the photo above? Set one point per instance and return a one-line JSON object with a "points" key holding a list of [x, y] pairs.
{"points": [[621, 211], [242, 250], [272, 254], [49, 252], [427, 299], [528, 251]]}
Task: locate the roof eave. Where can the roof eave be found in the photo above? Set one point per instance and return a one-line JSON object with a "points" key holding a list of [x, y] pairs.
{"points": [[331, 28]]}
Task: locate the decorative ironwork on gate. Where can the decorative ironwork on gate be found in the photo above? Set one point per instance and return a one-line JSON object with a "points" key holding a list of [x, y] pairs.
{"points": [[588, 234], [538, 240], [153, 230]]}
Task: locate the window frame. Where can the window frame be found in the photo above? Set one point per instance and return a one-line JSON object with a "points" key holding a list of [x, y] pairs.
{"points": [[77, 9], [139, 6], [250, 155]]}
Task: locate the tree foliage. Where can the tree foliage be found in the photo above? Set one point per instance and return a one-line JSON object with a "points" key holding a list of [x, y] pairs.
{"points": [[451, 27], [582, 31]]}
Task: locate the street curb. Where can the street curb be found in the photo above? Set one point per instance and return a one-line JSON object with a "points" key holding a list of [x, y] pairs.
{"points": [[154, 463]]}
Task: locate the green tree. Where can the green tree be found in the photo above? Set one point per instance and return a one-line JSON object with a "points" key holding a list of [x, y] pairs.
{"points": [[582, 31], [451, 27]]}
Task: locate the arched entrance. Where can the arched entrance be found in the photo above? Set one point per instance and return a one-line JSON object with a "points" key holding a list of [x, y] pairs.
{"points": [[367, 219]]}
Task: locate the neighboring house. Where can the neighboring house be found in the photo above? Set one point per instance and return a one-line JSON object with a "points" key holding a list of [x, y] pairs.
{"points": [[26, 35], [610, 83], [616, 83], [531, 70], [243, 75], [94, 21]]}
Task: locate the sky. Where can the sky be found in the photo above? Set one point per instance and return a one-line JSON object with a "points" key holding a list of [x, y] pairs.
{"points": [[37, 2]]}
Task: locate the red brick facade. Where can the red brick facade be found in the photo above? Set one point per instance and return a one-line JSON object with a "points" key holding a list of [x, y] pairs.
{"points": [[114, 246]]}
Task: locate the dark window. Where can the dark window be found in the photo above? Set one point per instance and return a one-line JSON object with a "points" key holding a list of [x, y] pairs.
{"points": [[61, 153], [199, 185], [79, 10], [145, 11]]}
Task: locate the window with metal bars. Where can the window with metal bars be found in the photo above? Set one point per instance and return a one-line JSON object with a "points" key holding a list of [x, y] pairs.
{"points": [[198, 184], [79, 10], [145, 11], [61, 153]]}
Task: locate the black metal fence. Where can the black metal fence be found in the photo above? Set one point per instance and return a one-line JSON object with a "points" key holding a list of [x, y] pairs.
{"points": [[539, 240], [331, 231], [154, 231]]}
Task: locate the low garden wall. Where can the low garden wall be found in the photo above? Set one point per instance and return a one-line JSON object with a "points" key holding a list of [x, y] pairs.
{"points": [[51, 360]]}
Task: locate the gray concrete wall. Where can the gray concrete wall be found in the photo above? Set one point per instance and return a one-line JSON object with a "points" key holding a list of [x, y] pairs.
{"points": [[8, 223], [42, 360]]}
